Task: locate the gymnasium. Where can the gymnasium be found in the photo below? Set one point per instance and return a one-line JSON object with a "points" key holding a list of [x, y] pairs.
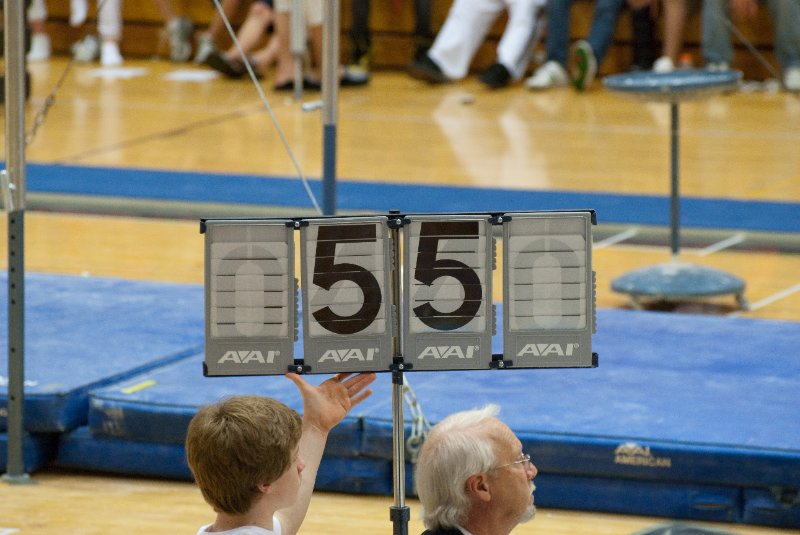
{"points": [[648, 404]]}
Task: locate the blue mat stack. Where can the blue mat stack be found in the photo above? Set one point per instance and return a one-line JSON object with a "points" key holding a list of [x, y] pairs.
{"points": [[686, 416]]}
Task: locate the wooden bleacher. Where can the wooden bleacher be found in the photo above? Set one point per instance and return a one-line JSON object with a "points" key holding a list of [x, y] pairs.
{"points": [[392, 24]]}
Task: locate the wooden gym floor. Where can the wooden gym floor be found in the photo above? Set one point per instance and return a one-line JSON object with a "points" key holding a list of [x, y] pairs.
{"points": [[741, 146]]}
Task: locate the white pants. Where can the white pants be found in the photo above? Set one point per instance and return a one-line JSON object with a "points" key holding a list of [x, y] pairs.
{"points": [[469, 21], [109, 19], [37, 11], [313, 10]]}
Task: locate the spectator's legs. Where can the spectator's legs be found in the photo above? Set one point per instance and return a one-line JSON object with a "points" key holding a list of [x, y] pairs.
{"points": [[514, 48], [467, 23], [645, 50], [360, 35], [716, 36], [604, 23], [109, 26], [674, 23], [786, 19], [251, 33], [40, 42], [423, 33], [557, 42]]}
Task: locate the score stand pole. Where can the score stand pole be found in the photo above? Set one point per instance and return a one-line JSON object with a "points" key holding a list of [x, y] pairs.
{"points": [[399, 513], [14, 199], [330, 97]]}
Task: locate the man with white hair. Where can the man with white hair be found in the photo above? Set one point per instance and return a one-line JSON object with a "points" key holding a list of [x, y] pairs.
{"points": [[473, 477]]}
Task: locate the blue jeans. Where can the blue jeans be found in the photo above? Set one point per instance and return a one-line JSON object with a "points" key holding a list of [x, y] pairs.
{"points": [[716, 34], [604, 22]]}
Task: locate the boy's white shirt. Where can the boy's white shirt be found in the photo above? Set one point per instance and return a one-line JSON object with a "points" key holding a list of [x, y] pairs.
{"points": [[246, 530]]}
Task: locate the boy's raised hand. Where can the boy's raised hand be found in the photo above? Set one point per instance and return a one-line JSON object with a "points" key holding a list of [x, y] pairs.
{"points": [[326, 405]]}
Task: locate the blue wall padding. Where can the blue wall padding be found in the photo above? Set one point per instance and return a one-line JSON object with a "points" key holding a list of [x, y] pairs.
{"points": [[38, 450], [82, 333], [699, 502], [80, 449], [352, 195]]}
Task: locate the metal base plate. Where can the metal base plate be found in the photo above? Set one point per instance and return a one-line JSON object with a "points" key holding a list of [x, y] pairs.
{"points": [[676, 281]]}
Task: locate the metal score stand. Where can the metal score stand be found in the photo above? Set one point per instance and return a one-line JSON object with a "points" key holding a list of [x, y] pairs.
{"points": [[13, 185]]}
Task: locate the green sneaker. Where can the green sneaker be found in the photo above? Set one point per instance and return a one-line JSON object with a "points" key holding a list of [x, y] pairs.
{"points": [[583, 65]]}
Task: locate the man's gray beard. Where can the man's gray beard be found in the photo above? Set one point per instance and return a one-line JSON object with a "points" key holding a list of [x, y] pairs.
{"points": [[530, 511]]}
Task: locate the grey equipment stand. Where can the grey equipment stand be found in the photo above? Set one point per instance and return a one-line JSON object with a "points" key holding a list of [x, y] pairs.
{"points": [[676, 280], [13, 185]]}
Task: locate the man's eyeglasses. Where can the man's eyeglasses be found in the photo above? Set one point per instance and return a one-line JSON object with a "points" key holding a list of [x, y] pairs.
{"points": [[524, 460]]}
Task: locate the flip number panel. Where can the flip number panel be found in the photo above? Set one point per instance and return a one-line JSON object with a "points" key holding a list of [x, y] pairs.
{"points": [[548, 290], [346, 280], [251, 297], [447, 281]]}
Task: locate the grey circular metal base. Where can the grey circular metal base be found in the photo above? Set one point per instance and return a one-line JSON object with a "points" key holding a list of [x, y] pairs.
{"points": [[677, 281]]}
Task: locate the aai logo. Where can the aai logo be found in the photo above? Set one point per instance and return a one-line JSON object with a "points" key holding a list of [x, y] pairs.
{"points": [[548, 350], [445, 352], [248, 357], [345, 355]]}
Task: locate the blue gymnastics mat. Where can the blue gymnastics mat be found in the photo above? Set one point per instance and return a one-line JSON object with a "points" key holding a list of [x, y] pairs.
{"points": [[82, 333], [687, 416]]}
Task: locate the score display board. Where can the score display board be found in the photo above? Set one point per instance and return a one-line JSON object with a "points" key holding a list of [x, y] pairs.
{"points": [[447, 288], [366, 307], [346, 266], [548, 293], [251, 297]]}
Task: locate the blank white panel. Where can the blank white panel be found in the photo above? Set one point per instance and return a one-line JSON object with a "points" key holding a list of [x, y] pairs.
{"points": [[243, 266], [544, 259], [527, 291], [533, 323], [274, 330], [229, 283], [548, 275], [250, 315], [259, 249], [247, 298], [549, 307], [548, 243]]}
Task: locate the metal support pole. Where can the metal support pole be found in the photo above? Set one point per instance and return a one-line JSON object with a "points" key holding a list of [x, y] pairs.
{"points": [[675, 172], [330, 94], [14, 198], [399, 512], [297, 38]]}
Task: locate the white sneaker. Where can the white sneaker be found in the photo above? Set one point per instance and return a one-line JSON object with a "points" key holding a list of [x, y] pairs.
{"points": [[791, 79], [551, 74], [40, 47], [718, 66], [109, 54], [78, 11], [86, 49], [663, 64], [180, 31], [205, 46]]}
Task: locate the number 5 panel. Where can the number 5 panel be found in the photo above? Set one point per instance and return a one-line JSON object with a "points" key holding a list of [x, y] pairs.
{"points": [[346, 270], [447, 292]]}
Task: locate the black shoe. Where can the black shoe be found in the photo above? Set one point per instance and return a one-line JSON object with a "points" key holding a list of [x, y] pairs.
{"points": [[496, 76], [426, 69]]}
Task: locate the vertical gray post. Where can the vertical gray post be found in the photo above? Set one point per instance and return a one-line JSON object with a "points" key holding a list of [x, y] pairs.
{"points": [[330, 94], [297, 38], [675, 216], [399, 512], [14, 185]]}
